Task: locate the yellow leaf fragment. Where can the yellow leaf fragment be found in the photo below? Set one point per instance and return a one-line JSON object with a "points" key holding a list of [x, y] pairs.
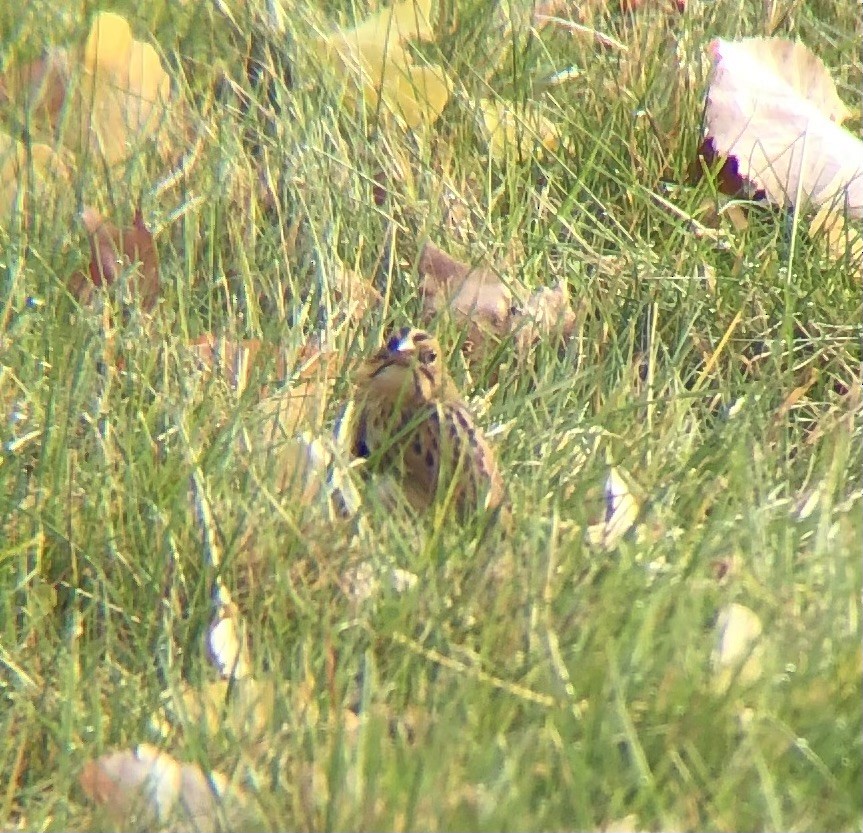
{"points": [[108, 45], [124, 90], [840, 236], [521, 130], [373, 56], [621, 512], [738, 654], [405, 20], [241, 707], [37, 174]]}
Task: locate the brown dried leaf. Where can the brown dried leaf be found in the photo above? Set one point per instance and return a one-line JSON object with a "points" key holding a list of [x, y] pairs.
{"points": [[156, 788], [475, 295], [112, 251], [772, 106], [39, 86], [232, 360]]}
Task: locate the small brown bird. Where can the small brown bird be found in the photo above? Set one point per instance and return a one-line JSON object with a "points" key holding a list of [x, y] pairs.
{"points": [[412, 422]]}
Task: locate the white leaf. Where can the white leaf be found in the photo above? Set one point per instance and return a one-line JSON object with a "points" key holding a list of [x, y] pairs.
{"points": [[773, 107]]}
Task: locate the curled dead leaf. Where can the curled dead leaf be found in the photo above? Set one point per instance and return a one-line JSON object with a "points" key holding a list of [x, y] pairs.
{"points": [[488, 308], [476, 296], [112, 252]]}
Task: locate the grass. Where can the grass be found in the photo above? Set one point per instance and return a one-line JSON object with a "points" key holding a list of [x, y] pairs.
{"points": [[526, 682]]}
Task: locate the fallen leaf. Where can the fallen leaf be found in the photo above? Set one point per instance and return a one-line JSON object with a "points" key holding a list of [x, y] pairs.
{"points": [[840, 237], [293, 464], [738, 654], [228, 638], [109, 99], [476, 296], [353, 291], [242, 707], [39, 87], [621, 512], [153, 787], [372, 55], [112, 252], [727, 177], [772, 105], [124, 91], [144, 776], [28, 176], [232, 360], [518, 130], [546, 313]]}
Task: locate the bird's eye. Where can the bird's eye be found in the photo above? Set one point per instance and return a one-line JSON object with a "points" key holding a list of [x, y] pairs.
{"points": [[393, 343], [427, 356]]}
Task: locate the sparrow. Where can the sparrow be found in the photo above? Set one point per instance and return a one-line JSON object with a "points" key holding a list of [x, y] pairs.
{"points": [[412, 423]]}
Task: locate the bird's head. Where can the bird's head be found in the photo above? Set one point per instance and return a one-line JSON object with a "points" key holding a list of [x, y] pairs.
{"points": [[409, 364]]}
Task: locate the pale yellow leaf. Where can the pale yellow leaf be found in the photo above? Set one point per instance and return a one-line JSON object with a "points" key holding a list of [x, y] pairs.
{"points": [[738, 653], [24, 177], [621, 512], [840, 237], [373, 56], [123, 93], [517, 130]]}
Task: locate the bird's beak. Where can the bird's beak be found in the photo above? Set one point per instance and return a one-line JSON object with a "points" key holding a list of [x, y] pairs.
{"points": [[399, 356], [404, 347]]}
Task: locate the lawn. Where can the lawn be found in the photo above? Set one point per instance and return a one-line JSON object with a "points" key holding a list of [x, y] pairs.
{"points": [[532, 678]]}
